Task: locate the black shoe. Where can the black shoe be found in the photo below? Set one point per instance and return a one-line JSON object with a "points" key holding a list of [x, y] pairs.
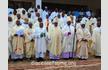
{"points": [[97, 56], [65, 58], [38, 60], [82, 59], [15, 60]]}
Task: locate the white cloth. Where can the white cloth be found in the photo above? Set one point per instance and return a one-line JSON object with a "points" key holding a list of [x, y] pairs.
{"points": [[97, 40], [40, 41], [68, 39], [84, 20], [44, 13], [53, 15], [88, 13], [94, 20], [63, 21], [30, 9], [82, 46]]}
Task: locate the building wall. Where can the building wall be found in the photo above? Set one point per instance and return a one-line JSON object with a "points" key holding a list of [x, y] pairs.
{"points": [[93, 4]]}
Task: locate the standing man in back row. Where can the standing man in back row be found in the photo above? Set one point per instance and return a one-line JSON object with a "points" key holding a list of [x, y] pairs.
{"points": [[97, 39]]}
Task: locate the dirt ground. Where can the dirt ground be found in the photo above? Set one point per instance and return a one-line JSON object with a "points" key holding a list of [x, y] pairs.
{"points": [[71, 64]]}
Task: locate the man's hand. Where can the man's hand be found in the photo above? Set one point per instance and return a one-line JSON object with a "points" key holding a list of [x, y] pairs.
{"points": [[69, 33], [84, 39]]}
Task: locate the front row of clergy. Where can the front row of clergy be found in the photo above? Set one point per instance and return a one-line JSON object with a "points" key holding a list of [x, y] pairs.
{"points": [[63, 43]]}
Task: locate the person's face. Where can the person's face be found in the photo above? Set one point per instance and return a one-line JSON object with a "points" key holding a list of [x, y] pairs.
{"points": [[30, 25], [29, 15], [47, 16], [23, 12], [40, 19], [83, 25], [63, 14], [58, 16], [18, 16], [37, 14], [9, 19], [18, 23], [41, 25], [99, 24], [38, 7], [68, 23], [56, 10], [55, 24], [15, 12], [46, 9]]}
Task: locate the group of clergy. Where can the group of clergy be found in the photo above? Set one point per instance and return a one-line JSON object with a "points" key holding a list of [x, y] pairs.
{"points": [[36, 34]]}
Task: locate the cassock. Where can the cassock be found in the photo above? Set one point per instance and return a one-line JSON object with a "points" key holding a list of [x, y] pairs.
{"points": [[40, 41], [97, 41], [44, 13], [31, 20], [55, 37], [36, 24], [29, 42], [62, 21], [30, 9], [82, 45], [67, 41], [88, 13], [17, 42]]}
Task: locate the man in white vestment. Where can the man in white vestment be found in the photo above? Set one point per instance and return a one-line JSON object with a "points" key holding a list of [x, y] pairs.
{"points": [[29, 41], [39, 10], [10, 26], [96, 36], [17, 41], [62, 20], [94, 20], [55, 37], [40, 41], [83, 35], [53, 14], [68, 34], [44, 13]]}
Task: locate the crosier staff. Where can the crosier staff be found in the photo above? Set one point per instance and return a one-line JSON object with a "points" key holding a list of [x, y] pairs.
{"points": [[74, 41]]}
